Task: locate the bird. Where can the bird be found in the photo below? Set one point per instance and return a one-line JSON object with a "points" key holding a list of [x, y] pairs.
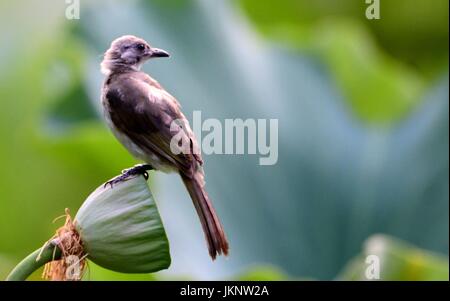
{"points": [[141, 114]]}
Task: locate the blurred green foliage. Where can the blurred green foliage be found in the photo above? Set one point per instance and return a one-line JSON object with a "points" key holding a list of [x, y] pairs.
{"points": [[262, 273], [44, 169], [337, 180], [381, 65], [97, 273], [398, 261]]}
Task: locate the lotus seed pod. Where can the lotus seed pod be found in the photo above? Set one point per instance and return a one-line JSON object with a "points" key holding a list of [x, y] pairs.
{"points": [[121, 229]]}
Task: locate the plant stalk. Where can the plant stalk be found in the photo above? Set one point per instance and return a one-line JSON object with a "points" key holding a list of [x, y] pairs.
{"points": [[34, 261]]}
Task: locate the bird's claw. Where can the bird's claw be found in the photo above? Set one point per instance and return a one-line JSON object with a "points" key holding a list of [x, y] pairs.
{"points": [[139, 169]]}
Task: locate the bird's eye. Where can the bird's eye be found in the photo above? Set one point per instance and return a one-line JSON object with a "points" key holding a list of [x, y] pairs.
{"points": [[140, 46]]}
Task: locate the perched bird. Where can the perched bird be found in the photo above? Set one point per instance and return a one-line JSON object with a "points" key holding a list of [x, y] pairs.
{"points": [[141, 113]]}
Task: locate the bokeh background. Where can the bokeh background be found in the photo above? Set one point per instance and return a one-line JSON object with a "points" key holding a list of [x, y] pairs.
{"points": [[363, 131]]}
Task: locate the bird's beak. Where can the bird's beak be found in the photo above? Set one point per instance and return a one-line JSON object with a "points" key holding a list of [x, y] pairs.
{"points": [[156, 52]]}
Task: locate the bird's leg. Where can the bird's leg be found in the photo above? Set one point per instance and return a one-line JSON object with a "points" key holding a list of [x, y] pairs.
{"points": [[138, 169]]}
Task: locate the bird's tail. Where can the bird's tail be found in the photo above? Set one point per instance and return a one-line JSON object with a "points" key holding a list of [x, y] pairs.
{"points": [[214, 234]]}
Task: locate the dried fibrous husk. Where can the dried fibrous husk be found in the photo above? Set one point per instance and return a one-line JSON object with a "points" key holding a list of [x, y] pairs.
{"points": [[72, 263]]}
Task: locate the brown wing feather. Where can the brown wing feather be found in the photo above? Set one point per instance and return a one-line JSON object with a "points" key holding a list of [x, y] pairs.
{"points": [[142, 113]]}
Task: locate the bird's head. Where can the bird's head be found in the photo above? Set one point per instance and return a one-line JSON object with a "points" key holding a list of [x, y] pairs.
{"points": [[129, 52]]}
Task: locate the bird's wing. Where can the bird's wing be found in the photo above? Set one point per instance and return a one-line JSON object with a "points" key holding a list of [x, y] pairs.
{"points": [[145, 112]]}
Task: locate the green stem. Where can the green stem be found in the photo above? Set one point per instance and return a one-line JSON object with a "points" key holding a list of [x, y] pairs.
{"points": [[31, 263]]}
